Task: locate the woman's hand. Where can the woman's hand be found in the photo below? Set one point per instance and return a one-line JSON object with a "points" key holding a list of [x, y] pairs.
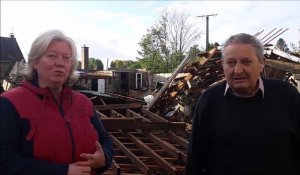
{"points": [[95, 160], [79, 170]]}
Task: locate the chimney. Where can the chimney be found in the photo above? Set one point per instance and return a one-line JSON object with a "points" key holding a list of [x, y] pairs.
{"points": [[85, 58], [11, 35]]}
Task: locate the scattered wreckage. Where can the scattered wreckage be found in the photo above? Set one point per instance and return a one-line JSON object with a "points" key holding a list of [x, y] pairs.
{"points": [[152, 138], [207, 71]]}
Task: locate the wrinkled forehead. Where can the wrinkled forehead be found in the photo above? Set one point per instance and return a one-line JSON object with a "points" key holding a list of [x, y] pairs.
{"points": [[238, 47], [240, 51], [60, 46]]}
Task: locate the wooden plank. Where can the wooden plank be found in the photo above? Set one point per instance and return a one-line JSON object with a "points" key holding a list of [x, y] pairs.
{"points": [[153, 116], [181, 141], [116, 168], [132, 123], [102, 101], [173, 94], [188, 77], [116, 114], [140, 164], [166, 146], [130, 113], [160, 161], [118, 106], [286, 66], [101, 115], [131, 166], [171, 78]]}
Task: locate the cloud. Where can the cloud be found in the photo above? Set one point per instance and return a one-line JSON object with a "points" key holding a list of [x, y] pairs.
{"points": [[113, 28], [245, 16]]}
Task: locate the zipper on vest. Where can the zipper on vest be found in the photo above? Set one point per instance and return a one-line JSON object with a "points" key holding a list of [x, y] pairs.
{"points": [[72, 140], [60, 107]]}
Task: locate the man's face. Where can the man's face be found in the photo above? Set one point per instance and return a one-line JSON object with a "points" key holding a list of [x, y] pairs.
{"points": [[242, 68]]}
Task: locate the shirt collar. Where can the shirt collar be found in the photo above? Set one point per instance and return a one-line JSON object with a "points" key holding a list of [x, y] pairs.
{"points": [[260, 87]]}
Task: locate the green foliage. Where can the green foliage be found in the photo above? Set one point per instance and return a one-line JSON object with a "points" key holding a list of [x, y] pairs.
{"points": [[281, 44], [134, 65], [194, 50], [210, 46], [95, 64], [167, 42], [125, 64], [296, 49]]}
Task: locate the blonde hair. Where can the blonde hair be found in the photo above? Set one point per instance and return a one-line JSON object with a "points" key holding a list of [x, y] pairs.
{"points": [[39, 47]]}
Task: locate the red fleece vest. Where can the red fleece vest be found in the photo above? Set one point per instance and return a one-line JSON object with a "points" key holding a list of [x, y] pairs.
{"points": [[51, 137]]}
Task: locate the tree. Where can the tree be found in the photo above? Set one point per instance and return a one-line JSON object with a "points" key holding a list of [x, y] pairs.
{"points": [[281, 44], [194, 50], [124, 64], [134, 65], [295, 49], [167, 42], [95, 64]]}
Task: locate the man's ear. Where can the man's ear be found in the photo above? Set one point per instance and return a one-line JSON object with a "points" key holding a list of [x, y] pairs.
{"points": [[262, 65]]}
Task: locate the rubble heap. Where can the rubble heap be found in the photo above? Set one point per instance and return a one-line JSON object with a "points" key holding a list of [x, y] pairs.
{"points": [[201, 74]]}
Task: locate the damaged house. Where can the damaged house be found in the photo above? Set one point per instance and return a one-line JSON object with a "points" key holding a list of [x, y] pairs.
{"points": [[11, 61]]}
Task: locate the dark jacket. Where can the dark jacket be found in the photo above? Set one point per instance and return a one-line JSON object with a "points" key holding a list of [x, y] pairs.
{"points": [[257, 135], [40, 135]]}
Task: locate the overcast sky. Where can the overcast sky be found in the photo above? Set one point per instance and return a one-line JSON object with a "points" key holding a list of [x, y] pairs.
{"points": [[113, 29]]}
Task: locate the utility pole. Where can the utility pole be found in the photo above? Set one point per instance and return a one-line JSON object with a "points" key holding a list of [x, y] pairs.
{"points": [[207, 27]]}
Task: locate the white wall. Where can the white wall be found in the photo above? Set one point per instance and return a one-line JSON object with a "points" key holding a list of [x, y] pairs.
{"points": [[101, 85]]}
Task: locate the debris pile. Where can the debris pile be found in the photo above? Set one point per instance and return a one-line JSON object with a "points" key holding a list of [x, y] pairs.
{"points": [[144, 142], [201, 74]]}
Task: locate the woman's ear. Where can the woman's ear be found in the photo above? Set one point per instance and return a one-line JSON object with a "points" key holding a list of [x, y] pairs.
{"points": [[34, 64]]}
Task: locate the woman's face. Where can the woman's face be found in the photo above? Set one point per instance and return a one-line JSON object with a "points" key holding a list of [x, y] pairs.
{"points": [[55, 64]]}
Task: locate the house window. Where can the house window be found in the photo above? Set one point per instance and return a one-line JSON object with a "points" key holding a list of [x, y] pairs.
{"points": [[138, 80]]}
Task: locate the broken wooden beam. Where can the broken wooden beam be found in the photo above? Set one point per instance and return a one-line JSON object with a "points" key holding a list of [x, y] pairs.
{"points": [[118, 106], [140, 164], [166, 146], [159, 160], [132, 123], [281, 65]]}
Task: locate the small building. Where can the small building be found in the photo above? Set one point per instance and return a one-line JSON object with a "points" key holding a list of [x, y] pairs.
{"points": [[133, 83], [94, 80], [11, 62], [127, 82]]}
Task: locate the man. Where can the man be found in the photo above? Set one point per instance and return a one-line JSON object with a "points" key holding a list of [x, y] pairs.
{"points": [[246, 125]]}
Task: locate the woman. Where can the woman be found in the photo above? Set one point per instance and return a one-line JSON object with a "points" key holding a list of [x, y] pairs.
{"points": [[46, 127]]}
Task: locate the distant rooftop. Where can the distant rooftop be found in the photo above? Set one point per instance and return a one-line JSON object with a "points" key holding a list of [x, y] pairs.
{"points": [[10, 50]]}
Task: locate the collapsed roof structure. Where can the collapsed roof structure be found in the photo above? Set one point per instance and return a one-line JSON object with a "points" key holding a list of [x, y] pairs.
{"points": [[153, 139], [201, 74], [150, 141]]}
